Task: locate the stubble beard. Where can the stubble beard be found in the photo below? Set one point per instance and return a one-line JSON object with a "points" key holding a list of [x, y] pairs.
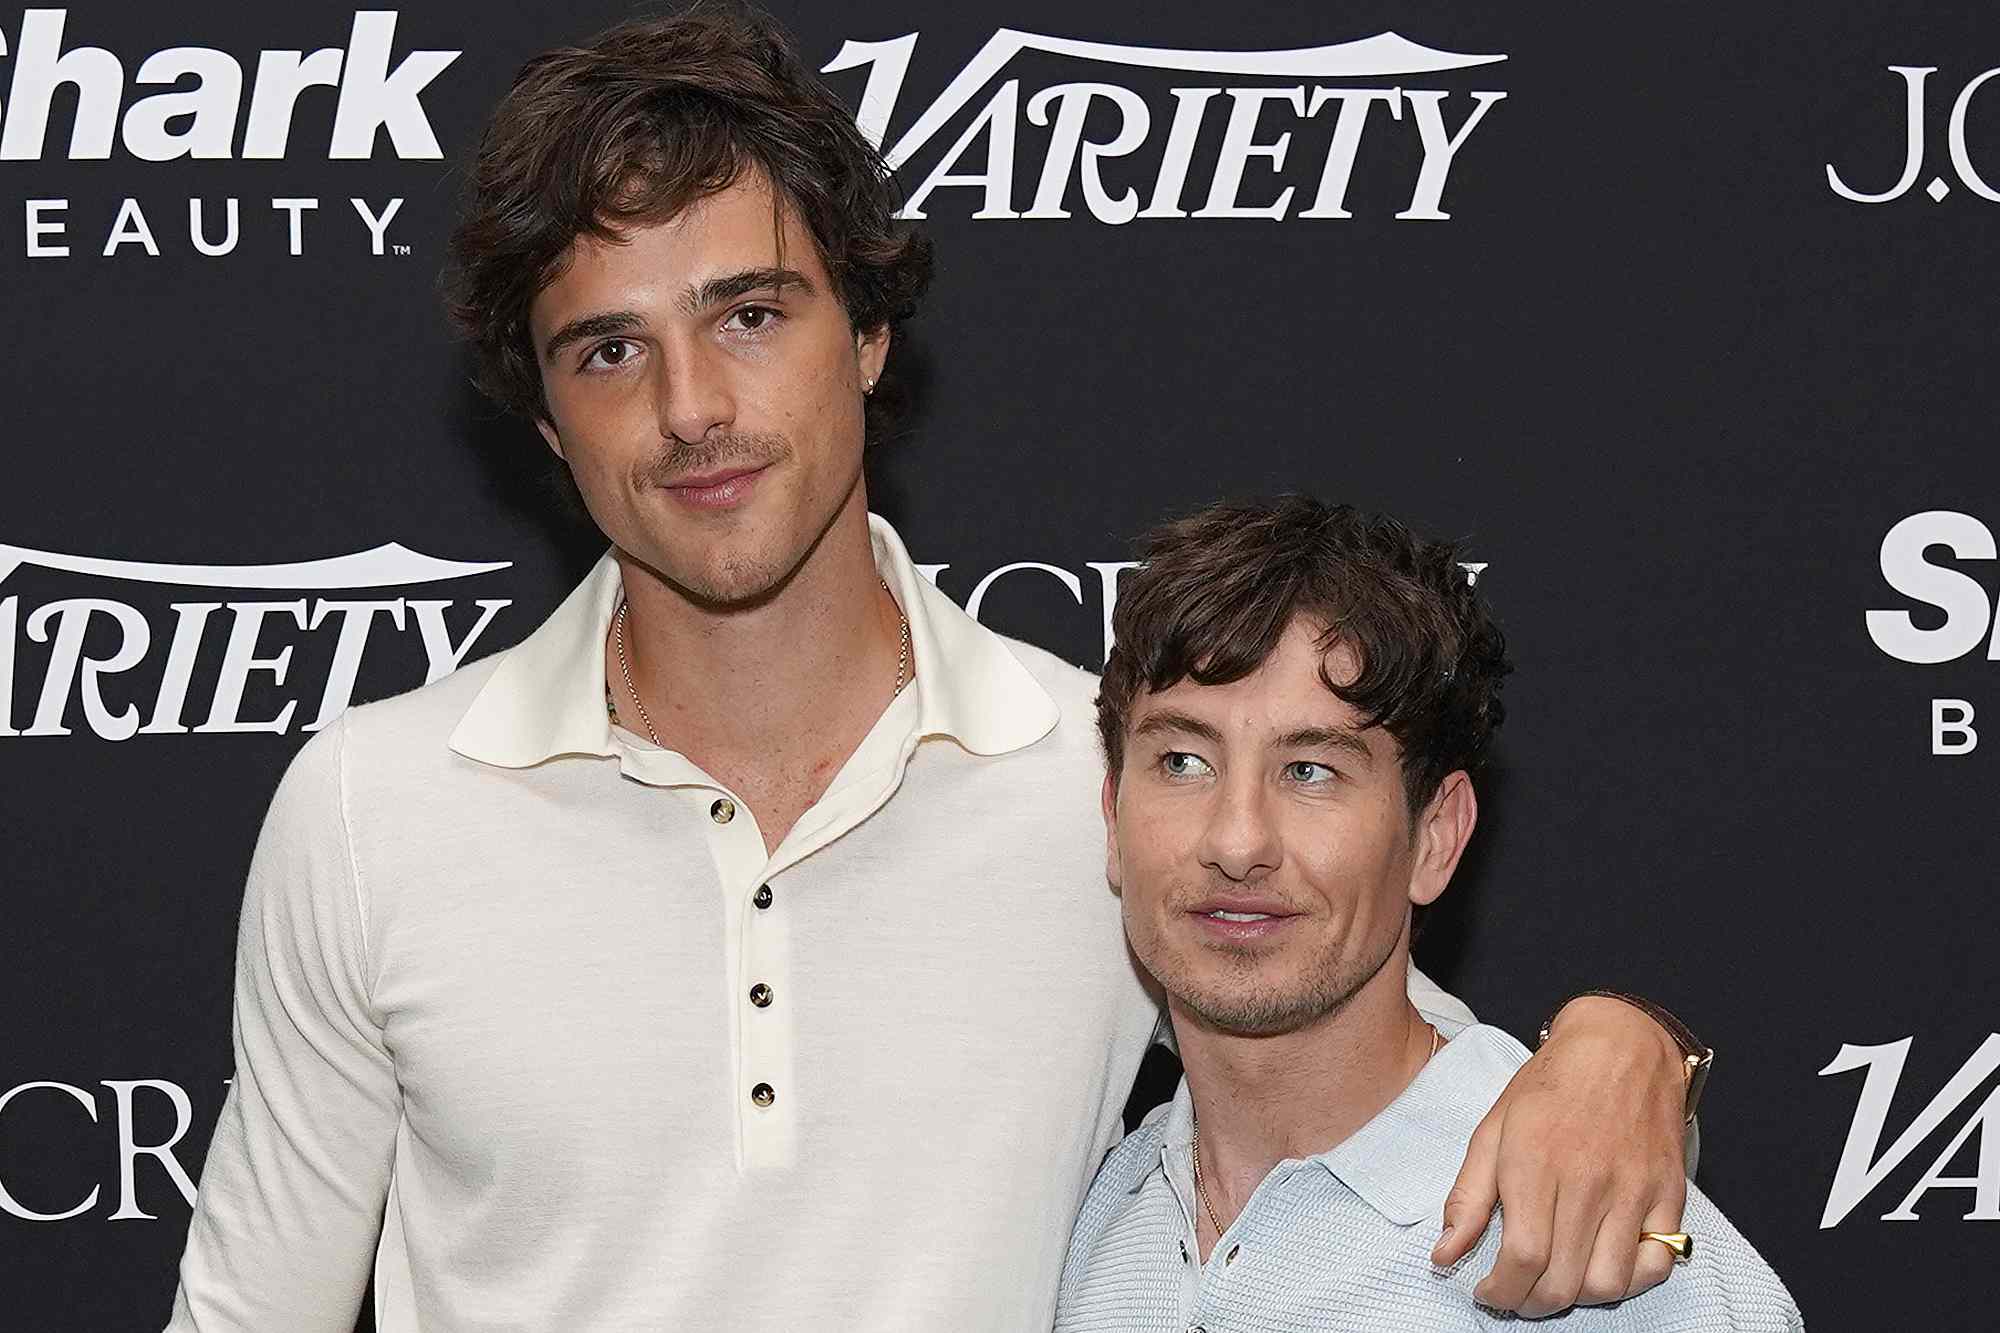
{"points": [[1244, 1003], [752, 578]]}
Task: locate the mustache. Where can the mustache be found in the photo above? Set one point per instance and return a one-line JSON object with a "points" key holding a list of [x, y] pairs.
{"points": [[1186, 895], [674, 462]]}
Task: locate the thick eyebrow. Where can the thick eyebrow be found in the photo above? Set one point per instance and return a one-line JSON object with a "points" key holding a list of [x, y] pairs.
{"points": [[585, 327], [1168, 720], [1328, 738], [721, 290]]}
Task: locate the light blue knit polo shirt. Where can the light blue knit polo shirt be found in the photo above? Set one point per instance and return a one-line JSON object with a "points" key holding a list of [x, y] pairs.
{"points": [[1342, 1240]]}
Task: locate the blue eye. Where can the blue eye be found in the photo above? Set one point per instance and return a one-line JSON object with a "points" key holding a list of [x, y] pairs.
{"points": [[1181, 764], [1306, 770]]}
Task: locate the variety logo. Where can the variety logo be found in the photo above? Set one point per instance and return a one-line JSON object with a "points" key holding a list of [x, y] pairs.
{"points": [[101, 649], [1864, 1164], [204, 114], [1914, 120], [1108, 169], [1954, 599]]}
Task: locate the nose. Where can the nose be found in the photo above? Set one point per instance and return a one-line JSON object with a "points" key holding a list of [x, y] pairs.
{"points": [[1240, 839], [693, 395]]}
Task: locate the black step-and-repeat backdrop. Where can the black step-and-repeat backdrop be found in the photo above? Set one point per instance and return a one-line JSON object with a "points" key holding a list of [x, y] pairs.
{"points": [[1683, 314]]}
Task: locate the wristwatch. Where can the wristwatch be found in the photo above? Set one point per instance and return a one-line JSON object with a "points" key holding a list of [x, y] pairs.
{"points": [[1696, 1059]]}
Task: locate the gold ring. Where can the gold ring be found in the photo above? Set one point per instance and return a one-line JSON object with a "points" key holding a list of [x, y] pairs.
{"points": [[1679, 1242]]}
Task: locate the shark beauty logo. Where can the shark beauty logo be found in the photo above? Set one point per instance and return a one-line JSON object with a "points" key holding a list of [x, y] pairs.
{"points": [[1933, 562], [66, 101], [146, 666], [198, 108], [1203, 144]]}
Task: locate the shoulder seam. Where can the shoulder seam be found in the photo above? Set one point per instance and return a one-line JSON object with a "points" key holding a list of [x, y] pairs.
{"points": [[353, 862]]}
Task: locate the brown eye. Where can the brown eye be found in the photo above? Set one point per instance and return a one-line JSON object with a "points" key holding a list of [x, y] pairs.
{"points": [[752, 318], [610, 353]]}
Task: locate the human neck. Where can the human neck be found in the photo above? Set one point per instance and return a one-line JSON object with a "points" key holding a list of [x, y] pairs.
{"points": [[771, 699], [1262, 1100]]}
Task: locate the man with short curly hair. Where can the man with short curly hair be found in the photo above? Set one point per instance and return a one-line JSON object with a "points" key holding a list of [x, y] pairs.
{"points": [[729, 954]]}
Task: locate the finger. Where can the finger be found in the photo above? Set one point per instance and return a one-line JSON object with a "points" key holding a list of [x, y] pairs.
{"points": [[1655, 1261], [1527, 1237], [1652, 1265], [1473, 1195], [1614, 1256], [1579, 1216]]}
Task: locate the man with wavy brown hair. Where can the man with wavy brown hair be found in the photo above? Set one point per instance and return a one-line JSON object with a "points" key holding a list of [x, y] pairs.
{"points": [[1300, 704], [731, 953]]}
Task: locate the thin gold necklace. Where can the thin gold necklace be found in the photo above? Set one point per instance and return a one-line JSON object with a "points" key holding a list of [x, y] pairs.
{"points": [[1194, 1148], [625, 668]]}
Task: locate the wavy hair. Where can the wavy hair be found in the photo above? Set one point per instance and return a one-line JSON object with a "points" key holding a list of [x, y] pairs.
{"points": [[1220, 587], [647, 118]]}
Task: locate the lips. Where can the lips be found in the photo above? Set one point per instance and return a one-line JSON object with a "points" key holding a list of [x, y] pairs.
{"points": [[1242, 919], [1235, 906], [717, 490]]}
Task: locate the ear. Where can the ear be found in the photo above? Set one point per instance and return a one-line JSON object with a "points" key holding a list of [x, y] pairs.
{"points": [[1443, 829], [871, 351], [1112, 870], [553, 440]]}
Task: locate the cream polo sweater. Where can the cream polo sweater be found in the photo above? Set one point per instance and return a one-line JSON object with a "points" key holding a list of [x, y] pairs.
{"points": [[534, 990]]}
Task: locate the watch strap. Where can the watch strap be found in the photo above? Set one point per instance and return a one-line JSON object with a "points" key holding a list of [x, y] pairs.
{"points": [[1696, 1059]]}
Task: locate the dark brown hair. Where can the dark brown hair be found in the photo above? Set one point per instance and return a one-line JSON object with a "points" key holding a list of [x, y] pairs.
{"points": [[649, 117], [1220, 587]]}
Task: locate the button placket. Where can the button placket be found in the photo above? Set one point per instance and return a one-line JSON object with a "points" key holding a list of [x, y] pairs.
{"points": [[764, 1019], [761, 914], [1179, 1169], [756, 938], [763, 1000]]}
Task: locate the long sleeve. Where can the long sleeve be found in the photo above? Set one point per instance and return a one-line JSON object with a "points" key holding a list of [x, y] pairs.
{"points": [[291, 1195]]}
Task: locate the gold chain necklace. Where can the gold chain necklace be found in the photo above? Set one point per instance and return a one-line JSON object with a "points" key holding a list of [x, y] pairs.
{"points": [[1199, 1192], [1194, 1149], [625, 669]]}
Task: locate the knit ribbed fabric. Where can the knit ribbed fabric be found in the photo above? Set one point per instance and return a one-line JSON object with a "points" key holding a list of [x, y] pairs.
{"points": [[1342, 1240]]}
